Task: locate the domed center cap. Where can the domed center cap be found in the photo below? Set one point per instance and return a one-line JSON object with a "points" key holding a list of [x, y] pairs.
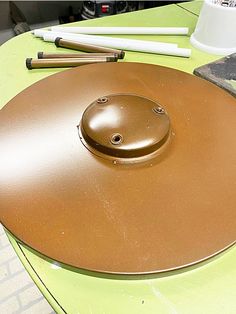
{"points": [[124, 126]]}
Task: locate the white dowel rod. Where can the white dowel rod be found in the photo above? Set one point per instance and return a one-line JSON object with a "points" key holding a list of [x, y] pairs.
{"points": [[126, 44], [97, 40], [123, 30], [39, 32]]}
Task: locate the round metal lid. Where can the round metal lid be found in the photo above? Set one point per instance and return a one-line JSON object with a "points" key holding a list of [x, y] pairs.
{"points": [[124, 126], [97, 196]]}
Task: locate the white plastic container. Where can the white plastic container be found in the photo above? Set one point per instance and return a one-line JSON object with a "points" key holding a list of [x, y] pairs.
{"points": [[215, 31]]}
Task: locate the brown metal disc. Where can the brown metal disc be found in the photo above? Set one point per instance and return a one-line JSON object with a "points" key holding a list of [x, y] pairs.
{"points": [[120, 168]]}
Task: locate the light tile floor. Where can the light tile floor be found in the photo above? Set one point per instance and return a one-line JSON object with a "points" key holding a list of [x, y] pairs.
{"points": [[18, 293]]}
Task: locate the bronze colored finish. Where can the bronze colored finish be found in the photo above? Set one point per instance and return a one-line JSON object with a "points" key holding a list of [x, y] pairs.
{"points": [[109, 127], [66, 43], [44, 55], [64, 63], [94, 212]]}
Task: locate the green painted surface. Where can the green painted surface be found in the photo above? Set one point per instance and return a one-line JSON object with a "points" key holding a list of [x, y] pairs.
{"points": [[232, 83], [193, 7], [208, 288]]}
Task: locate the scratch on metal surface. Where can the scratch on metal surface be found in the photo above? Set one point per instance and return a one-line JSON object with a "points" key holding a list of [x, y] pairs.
{"points": [[109, 209]]}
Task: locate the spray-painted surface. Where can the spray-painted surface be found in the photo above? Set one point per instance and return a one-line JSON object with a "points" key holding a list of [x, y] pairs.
{"points": [[206, 289]]}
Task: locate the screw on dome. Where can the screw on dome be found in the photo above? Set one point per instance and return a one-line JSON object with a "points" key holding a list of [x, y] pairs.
{"points": [[116, 139], [102, 100]]}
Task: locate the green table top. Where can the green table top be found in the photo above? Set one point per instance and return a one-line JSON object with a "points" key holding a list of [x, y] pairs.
{"points": [[209, 287]]}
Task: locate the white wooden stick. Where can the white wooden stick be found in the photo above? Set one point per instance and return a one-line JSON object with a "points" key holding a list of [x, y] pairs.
{"points": [[39, 32], [121, 43], [94, 38], [123, 30]]}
